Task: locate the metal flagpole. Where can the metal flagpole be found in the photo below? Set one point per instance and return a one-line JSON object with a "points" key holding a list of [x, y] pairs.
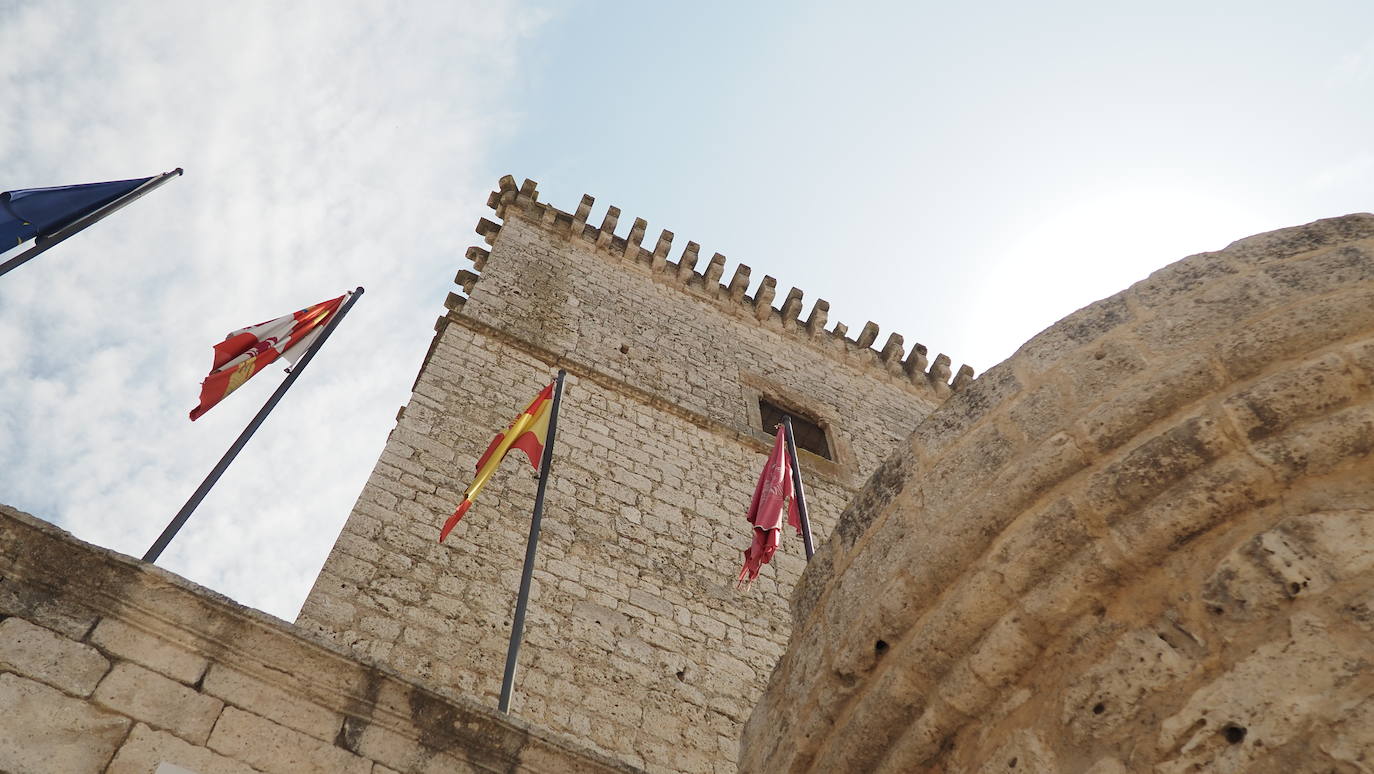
{"points": [[185, 513], [517, 629], [44, 243], [798, 492]]}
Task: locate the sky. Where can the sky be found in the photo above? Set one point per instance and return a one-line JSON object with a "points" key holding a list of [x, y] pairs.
{"points": [[963, 174]]}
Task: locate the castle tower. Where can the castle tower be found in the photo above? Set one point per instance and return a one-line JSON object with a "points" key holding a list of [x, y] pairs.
{"points": [[636, 642]]}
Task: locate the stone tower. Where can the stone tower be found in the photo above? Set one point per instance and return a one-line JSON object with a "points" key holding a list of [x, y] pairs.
{"points": [[636, 644]]}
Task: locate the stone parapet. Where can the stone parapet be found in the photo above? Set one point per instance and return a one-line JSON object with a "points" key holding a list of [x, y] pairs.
{"points": [[1142, 543], [108, 664], [892, 361]]}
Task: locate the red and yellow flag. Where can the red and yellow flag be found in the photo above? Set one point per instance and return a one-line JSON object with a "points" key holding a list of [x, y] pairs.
{"points": [[528, 433], [247, 351]]}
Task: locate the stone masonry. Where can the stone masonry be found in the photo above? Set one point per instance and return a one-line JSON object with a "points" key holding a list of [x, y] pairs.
{"points": [[108, 664], [1144, 543], [637, 643]]}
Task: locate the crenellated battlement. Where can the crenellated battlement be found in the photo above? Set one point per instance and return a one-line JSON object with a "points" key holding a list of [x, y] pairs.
{"points": [[894, 359]]}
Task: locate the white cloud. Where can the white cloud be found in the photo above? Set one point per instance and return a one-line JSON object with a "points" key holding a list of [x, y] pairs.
{"points": [[326, 145], [1355, 67]]}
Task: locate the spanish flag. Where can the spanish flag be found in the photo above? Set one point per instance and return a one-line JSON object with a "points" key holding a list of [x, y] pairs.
{"points": [[247, 351], [528, 433]]}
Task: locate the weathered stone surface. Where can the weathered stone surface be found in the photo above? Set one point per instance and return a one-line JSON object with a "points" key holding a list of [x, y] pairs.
{"points": [[43, 731], [1274, 246], [659, 446], [287, 694], [162, 703], [1193, 593], [274, 703], [1289, 690], [120, 639], [45, 607], [35, 652], [276, 749], [146, 749]]}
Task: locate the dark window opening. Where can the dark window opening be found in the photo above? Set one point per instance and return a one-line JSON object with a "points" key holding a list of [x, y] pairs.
{"points": [[810, 435]]}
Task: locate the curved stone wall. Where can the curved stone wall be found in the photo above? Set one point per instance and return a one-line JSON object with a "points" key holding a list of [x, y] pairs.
{"points": [[1145, 542]]}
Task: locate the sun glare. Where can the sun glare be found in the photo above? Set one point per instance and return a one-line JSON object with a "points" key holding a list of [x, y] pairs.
{"points": [[1092, 247]]}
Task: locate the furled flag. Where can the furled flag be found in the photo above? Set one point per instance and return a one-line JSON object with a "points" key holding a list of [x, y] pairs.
{"points": [[32, 212], [249, 350], [771, 494], [528, 433]]}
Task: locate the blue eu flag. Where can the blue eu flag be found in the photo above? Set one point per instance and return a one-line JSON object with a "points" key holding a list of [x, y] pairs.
{"points": [[33, 212]]}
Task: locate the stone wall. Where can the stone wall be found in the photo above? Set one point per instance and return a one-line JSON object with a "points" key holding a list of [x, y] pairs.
{"points": [[1143, 543], [636, 644], [111, 665]]}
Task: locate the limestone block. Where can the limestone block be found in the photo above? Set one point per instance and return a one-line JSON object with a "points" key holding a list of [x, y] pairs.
{"points": [[120, 639], [1268, 699], [1147, 399], [1310, 389], [1296, 331], [1038, 543], [1301, 556], [1285, 243], [1351, 740], [895, 699], [43, 731], [131, 690], [276, 749], [36, 652], [1319, 446], [1004, 653], [1156, 463], [403, 753], [1213, 309], [147, 749], [651, 602], [278, 704], [548, 758], [46, 608], [1079, 329], [1325, 270], [1190, 508], [1025, 751], [1112, 693]]}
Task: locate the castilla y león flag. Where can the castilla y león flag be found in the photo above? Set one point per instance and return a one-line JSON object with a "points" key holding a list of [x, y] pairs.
{"points": [[249, 350], [771, 494], [528, 433]]}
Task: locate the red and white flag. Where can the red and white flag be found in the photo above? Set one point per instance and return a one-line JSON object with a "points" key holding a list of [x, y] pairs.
{"points": [[249, 350], [771, 494]]}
